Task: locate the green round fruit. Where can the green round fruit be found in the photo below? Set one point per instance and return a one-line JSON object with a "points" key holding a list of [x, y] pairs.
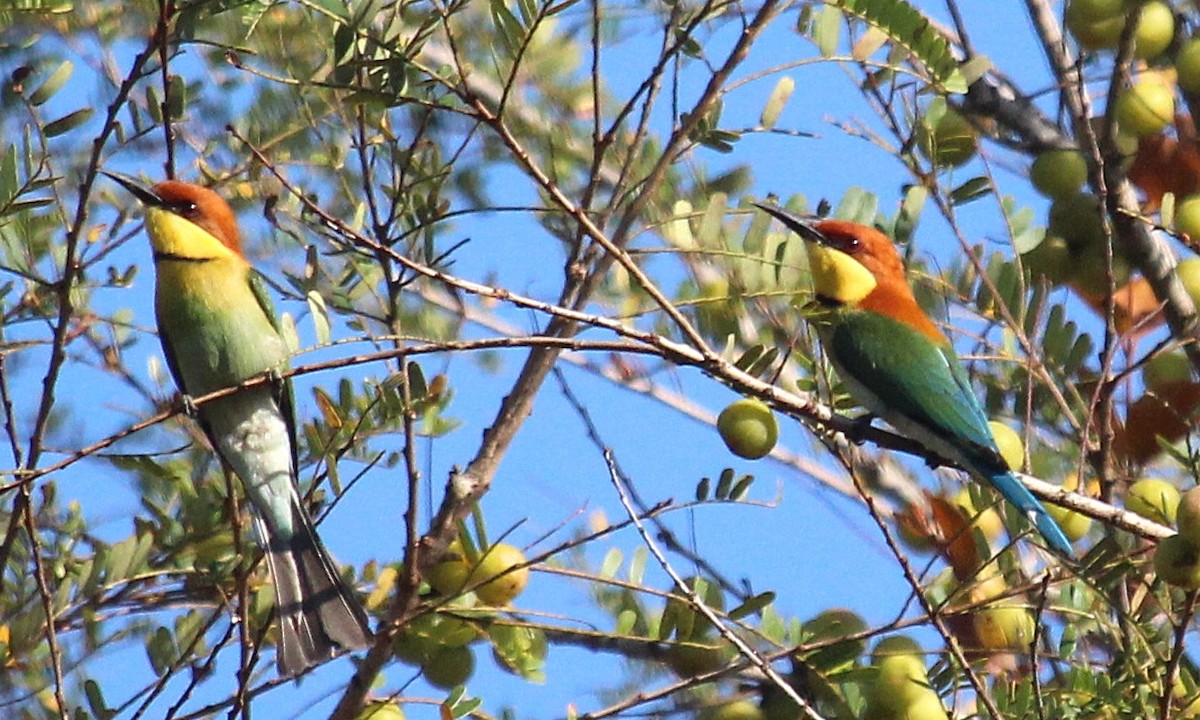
{"points": [[380, 711], [456, 631], [988, 584], [895, 645], [1153, 499], [900, 675], [1075, 525], [735, 710], [987, 520], [1059, 173], [1096, 24], [1177, 563], [412, 648], [692, 659], [1187, 67], [498, 559], [1012, 449], [1155, 30], [926, 707], [1051, 259], [748, 428], [1189, 274], [1091, 271], [1004, 626], [949, 143], [835, 623], [450, 575], [1189, 707], [1187, 516], [449, 667], [1078, 220], [1187, 217], [1146, 108], [1166, 368]]}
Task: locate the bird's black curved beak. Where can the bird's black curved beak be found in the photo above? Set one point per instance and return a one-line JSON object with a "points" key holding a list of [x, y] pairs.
{"points": [[139, 191], [805, 227]]}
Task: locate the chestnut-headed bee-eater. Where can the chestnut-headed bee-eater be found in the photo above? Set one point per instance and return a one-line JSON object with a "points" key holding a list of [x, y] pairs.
{"points": [[896, 363], [217, 329]]}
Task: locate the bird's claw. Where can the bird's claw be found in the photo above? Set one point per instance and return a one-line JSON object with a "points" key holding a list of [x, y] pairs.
{"points": [[275, 375], [278, 385], [189, 406]]}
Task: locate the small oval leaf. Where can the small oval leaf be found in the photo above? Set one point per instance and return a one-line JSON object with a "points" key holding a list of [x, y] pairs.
{"points": [[53, 84], [68, 122]]}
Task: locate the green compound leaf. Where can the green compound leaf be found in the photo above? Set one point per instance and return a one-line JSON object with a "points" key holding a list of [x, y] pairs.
{"points": [[908, 28]]}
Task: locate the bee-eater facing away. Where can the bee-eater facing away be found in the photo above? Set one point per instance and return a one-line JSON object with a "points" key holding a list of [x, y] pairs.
{"points": [[894, 360], [217, 329]]}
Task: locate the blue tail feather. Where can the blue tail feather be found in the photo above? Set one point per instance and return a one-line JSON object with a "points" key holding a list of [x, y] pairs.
{"points": [[1019, 495]]}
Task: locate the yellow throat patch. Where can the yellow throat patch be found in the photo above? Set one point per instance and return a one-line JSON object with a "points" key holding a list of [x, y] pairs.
{"points": [[837, 276], [173, 235]]}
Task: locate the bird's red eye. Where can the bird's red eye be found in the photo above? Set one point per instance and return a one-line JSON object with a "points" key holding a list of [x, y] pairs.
{"points": [[185, 208], [846, 242]]}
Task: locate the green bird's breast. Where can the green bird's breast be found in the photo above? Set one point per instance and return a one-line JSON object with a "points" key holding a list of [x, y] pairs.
{"points": [[213, 328]]}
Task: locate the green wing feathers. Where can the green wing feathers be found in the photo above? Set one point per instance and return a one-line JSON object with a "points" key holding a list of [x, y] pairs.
{"points": [[914, 377], [285, 396], [920, 387]]}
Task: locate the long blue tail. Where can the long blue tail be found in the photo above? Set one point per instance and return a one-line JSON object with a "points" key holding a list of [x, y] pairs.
{"points": [[1017, 494]]}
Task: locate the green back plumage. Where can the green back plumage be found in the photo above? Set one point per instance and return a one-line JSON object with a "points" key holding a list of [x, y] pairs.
{"points": [[285, 394], [913, 377]]}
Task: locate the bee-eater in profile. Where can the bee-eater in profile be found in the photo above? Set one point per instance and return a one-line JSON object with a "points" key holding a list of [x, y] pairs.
{"points": [[896, 363], [217, 329]]}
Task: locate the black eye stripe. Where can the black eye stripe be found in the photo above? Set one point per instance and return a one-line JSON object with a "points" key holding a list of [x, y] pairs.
{"points": [[844, 242]]}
